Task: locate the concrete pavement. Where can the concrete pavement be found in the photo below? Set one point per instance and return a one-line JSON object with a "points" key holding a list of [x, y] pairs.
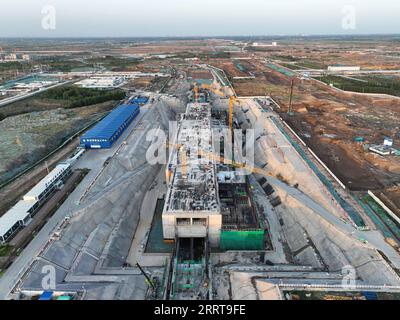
{"points": [[93, 160]]}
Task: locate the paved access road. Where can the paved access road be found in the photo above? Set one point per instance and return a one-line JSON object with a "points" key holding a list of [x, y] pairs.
{"points": [[93, 160]]}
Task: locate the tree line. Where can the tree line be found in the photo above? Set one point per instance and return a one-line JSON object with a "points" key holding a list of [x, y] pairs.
{"points": [[79, 97]]}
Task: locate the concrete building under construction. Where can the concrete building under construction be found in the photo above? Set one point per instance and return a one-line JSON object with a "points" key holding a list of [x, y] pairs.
{"points": [[208, 204], [207, 198], [192, 206]]}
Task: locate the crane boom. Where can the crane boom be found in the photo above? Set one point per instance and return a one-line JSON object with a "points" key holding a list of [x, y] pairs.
{"points": [[231, 102]]}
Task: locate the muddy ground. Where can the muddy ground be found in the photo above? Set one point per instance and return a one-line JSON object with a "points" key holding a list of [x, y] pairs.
{"points": [[391, 198], [329, 121]]}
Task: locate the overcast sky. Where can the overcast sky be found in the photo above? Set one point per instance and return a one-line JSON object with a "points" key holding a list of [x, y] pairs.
{"points": [[124, 18]]}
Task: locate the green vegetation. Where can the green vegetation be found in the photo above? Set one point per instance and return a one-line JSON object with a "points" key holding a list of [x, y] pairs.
{"points": [[383, 215], [365, 85], [297, 63], [310, 65], [185, 55], [214, 55], [12, 65], [113, 63], [284, 58], [286, 72], [5, 250], [79, 97], [291, 66], [63, 65]]}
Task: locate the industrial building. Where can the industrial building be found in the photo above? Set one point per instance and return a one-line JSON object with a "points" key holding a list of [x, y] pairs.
{"points": [[241, 227], [21, 214], [139, 100], [101, 82], [385, 149], [208, 199], [108, 130], [257, 44], [208, 204], [32, 83], [340, 68], [192, 208]]}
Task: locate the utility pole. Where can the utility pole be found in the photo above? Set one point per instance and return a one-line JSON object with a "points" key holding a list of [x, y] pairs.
{"points": [[146, 276], [291, 95]]}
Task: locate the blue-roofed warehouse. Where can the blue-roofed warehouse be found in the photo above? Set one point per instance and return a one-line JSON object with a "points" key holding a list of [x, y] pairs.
{"points": [[108, 130], [140, 100]]}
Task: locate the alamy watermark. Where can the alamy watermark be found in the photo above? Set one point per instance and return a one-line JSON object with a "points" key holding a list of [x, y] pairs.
{"points": [[349, 277], [49, 278], [49, 17], [349, 19]]}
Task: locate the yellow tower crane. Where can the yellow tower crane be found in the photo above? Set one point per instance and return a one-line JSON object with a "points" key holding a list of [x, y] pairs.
{"points": [[206, 86], [232, 101], [196, 93]]}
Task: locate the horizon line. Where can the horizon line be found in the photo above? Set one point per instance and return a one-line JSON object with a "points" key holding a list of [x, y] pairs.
{"points": [[203, 36]]}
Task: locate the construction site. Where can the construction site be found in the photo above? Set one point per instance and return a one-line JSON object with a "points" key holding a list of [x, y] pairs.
{"points": [[301, 206]]}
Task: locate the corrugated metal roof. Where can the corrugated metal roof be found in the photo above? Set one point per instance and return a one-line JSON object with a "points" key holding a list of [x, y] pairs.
{"points": [[20, 210], [140, 100], [106, 128], [16, 213], [42, 185]]}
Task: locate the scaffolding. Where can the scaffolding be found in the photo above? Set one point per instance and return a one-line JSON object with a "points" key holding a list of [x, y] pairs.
{"points": [[190, 278]]}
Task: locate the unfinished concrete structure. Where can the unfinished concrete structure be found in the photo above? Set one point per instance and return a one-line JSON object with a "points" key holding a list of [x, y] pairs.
{"points": [[192, 206]]}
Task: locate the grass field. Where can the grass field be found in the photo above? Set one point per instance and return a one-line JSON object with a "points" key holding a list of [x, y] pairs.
{"points": [[5, 250], [64, 97], [371, 84], [75, 97]]}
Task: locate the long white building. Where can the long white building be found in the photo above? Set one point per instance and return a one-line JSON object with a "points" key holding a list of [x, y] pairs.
{"points": [[343, 68], [101, 82], [21, 214]]}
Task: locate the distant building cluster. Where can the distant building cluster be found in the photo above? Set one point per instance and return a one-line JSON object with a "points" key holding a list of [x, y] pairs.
{"points": [[101, 82], [14, 57], [385, 149], [272, 44], [343, 68]]}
